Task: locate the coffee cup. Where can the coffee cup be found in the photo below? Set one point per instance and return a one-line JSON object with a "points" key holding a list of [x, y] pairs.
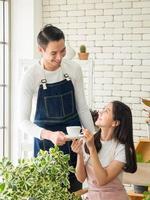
{"points": [[73, 131]]}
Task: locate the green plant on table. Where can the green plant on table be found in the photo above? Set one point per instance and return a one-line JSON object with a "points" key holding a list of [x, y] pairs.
{"points": [[42, 178], [82, 49], [146, 195], [139, 157], [141, 188]]}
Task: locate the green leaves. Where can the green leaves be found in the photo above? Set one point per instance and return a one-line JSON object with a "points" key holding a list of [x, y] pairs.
{"points": [[139, 157], [2, 186], [146, 195], [82, 49], [42, 178]]}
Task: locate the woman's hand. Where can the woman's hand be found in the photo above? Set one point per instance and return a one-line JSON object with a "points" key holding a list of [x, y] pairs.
{"points": [[89, 139], [77, 146]]}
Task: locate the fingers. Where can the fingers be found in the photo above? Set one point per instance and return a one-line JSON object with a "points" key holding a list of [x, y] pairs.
{"points": [[58, 138], [61, 133], [60, 142], [76, 145], [86, 133]]}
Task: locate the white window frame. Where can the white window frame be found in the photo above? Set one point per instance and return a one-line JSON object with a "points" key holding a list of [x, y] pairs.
{"points": [[4, 84]]}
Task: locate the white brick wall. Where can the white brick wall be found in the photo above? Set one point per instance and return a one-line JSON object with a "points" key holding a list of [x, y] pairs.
{"points": [[117, 35]]}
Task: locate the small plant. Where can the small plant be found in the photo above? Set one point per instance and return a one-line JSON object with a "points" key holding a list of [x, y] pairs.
{"points": [[140, 188], [82, 49], [139, 157], [83, 55], [146, 195], [42, 178]]}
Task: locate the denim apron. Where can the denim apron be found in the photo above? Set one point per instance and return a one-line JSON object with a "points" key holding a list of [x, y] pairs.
{"points": [[55, 110]]}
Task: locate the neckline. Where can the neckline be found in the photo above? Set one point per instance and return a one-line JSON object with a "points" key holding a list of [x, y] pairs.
{"points": [[40, 62], [106, 141]]}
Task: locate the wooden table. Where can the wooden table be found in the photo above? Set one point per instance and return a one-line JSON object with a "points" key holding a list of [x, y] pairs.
{"points": [[135, 196]]}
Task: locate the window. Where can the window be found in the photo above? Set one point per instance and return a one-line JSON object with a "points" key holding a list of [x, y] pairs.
{"points": [[4, 77]]}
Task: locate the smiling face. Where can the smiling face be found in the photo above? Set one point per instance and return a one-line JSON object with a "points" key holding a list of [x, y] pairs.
{"points": [[53, 54], [105, 117]]}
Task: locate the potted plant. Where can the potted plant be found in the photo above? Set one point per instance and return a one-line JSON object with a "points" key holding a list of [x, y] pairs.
{"points": [[42, 178], [83, 55], [140, 188], [146, 195]]}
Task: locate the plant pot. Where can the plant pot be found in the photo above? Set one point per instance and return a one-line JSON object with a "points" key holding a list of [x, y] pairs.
{"points": [[83, 56], [140, 188]]}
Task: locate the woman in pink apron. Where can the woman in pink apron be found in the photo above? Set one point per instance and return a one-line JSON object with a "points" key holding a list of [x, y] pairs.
{"points": [[102, 157]]}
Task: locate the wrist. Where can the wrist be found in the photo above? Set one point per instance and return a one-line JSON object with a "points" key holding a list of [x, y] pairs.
{"points": [[92, 150], [45, 134], [42, 135], [80, 154]]}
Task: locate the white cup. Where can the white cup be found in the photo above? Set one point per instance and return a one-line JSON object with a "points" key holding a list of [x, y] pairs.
{"points": [[73, 131]]}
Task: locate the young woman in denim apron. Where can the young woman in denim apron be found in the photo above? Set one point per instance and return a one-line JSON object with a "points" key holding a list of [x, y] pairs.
{"points": [[105, 155], [60, 101]]}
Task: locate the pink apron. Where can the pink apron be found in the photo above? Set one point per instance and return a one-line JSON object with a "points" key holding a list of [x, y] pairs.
{"points": [[113, 190]]}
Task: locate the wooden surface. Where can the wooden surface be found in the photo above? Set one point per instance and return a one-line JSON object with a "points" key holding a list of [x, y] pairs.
{"points": [[135, 196], [140, 177], [143, 147]]}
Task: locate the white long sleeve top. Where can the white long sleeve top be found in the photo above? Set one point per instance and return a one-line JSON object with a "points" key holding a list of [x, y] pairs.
{"points": [[29, 86]]}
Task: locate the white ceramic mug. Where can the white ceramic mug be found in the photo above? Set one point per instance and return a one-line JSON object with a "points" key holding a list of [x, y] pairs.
{"points": [[73, 131]]}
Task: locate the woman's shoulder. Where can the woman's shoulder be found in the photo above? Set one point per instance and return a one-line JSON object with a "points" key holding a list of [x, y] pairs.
{"points": [[120, 146], [120, 152]]}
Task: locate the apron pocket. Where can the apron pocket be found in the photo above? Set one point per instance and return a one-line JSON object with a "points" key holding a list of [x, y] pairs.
{"points": [[68, 103], [59, 106]]}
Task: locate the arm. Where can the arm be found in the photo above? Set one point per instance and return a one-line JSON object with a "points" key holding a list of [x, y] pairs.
{"points": [[28, 86], [26, 91], [80, 168], [102, 175], [81, 105]]}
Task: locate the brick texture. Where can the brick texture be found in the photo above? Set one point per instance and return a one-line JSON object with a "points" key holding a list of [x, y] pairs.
{"points": [[117, 36]]}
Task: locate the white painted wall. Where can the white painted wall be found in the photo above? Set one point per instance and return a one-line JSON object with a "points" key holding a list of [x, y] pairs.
{"points": [[117, 35], [26, 20]]}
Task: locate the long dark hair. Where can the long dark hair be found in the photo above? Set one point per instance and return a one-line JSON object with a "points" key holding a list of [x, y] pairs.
{"points": [[49, 33], [122, 133]]}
